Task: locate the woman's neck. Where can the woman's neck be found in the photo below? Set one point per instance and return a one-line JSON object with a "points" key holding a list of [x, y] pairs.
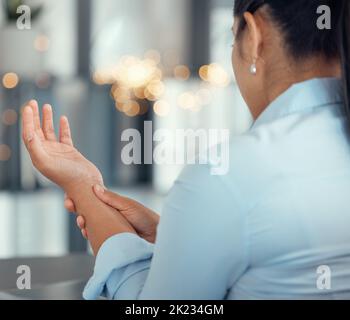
{"points": [[296, 73]]}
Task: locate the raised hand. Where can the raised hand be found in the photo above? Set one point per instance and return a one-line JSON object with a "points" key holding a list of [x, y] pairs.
{"points": [[57, 159]]}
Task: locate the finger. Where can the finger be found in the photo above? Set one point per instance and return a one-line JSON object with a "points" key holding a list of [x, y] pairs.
{"points": [[65, 133], [80, 222], [27, 124], [30, 138], [112, 199], [48, 127], [34, 105], [84, 234], [69, 205]]}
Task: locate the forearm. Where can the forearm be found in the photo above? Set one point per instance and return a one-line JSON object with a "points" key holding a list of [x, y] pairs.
{"points": [[102, 221]]}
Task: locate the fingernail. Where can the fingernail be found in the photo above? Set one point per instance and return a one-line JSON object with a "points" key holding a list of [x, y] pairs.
{"points": [[27, 109], [47, 106], [99, 189]]}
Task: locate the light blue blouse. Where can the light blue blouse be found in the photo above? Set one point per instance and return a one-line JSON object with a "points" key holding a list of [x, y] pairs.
{"points": [[277, 226]]}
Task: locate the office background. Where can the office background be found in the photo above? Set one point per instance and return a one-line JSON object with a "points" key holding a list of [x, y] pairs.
{"points": [[108, 65]]}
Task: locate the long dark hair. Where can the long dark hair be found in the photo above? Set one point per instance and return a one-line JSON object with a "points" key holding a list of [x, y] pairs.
{"points": [[297, 20]]}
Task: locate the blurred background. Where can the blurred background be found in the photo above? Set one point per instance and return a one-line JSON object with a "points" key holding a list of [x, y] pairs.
{"points": [[109, 65]]}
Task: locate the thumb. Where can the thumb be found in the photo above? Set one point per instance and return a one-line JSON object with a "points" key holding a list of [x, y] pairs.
{"points": [[112, 199]]}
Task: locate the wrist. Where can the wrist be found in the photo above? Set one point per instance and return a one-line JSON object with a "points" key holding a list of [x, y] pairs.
{"points": [[101, 220], [81, 187]]}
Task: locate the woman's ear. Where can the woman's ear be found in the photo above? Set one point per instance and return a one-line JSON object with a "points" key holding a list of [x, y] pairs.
{"points": [[254, 37]]}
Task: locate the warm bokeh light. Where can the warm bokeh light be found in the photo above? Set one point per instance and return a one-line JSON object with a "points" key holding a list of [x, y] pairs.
{"points": [[10, 80], [5, 152], [182, 72], [139, 93], [120, 94], [215, 74], [149, 96], [156, 88], [133, 72], [102, 77], [161, 108], [203, 72], [98, 78], [119, 106], [41, 43], [133, 78], [158, 74], [218, 76], [137, 75], [128, 61], [153, 55], [132, 108], [188, 100], [9, 117]]}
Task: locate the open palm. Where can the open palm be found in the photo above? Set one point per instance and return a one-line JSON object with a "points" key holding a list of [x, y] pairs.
{"points": [[57, 159]]}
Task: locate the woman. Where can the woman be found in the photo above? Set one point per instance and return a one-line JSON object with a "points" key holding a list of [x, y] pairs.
{"points": [[277, 220]]}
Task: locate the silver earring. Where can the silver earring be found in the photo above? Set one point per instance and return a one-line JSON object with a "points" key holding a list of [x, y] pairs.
{"points": [[253, 69]]}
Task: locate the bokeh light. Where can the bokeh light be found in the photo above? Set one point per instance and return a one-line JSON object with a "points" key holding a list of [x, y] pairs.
{"points": [[10, 80], [134, 81], [161, 108], [139, 93], [137, 75], [214, 74], [119, 106], [158, 74], [132, 108], [153, 55], [103, 77], [187, 100], [120, 94], [149, 96], [5, 152], [217, 75], [182, 72], [133, 72], [41, 43], [203, 72], [98, 78], [9, 117], [156, 88]]}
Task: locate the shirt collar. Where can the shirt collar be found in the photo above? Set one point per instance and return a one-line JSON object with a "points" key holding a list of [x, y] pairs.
{"points": [[302, 96]]}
